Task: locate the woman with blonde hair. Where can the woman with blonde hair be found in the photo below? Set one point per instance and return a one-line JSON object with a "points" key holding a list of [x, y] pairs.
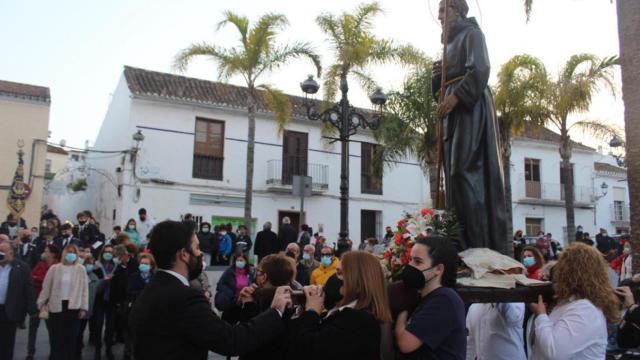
{"points": [[353, 328], [586, 302], [65, 292]]}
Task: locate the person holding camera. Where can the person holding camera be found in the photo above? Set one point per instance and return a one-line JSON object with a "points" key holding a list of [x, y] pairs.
{"points": [[353, 328], [170, 320]]}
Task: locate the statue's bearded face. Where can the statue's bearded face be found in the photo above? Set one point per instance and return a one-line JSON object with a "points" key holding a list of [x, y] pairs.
{"points": [[452, 14]]}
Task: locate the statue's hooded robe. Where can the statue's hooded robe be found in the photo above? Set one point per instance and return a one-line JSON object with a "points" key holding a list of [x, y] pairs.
{"points": [[473, 170]]}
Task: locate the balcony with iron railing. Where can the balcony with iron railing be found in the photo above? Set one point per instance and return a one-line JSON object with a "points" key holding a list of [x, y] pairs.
{"points": [[619, 213], [553, 193], [280, 174]]}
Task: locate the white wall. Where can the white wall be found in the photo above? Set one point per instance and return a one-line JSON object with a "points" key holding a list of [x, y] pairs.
{"points": [[167, 153]]}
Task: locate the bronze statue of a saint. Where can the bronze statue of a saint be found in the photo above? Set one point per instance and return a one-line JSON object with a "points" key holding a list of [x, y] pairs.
{"points": [[472, 167]]}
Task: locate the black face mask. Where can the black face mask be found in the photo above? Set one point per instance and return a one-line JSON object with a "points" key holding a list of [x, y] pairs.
{"points": [[413, 278], [25, 239], [2, 256], [195, 266], [81, 222]]}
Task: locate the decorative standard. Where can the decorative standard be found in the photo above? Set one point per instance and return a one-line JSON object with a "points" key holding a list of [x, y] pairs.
{"points": [[346, 119]]}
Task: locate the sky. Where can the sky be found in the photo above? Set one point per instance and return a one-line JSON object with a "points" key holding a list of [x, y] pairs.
{"points": [[78, 48]]}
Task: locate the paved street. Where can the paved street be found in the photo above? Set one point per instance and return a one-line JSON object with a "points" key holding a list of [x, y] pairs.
{"points": [[42, 344]]}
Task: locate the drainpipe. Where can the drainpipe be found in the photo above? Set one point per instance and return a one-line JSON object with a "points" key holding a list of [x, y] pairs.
{"points": [[33, 152]]}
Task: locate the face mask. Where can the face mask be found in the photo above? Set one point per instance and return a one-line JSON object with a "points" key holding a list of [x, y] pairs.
{"points": [[107, 256], [195, 266], [2, 256], [70, 258], [223, 233], [240, 264], [89, 267], [326, 260], [131, 227], [144, 268], [306, 256], [205, 229], [25, 239], [143, 218], [626, 250], [43, 257], [81, 261], [413, 278], [528, 261], [82, 222], [116, 261]]}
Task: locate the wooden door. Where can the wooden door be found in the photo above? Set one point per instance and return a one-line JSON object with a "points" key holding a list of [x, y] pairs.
{"points": [[294, 155]]}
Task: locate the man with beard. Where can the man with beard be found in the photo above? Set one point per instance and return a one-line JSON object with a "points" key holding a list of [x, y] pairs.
{"points": [[170, 320], [473, 171]]}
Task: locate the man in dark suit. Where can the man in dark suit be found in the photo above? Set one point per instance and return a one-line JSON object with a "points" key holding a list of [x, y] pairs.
{"points": [[66, 237], [27, 251], [17, 298], [86, 232], [170, 320], [266, 242]]}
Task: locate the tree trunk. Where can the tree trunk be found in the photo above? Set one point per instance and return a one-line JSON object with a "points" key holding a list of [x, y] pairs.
{"points": [[251, 139], [567, 175], [506, 169], [629, 36]]}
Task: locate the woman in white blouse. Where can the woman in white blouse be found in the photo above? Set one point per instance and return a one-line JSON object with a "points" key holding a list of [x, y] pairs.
{"points": [[577, 326], [66, 294]]}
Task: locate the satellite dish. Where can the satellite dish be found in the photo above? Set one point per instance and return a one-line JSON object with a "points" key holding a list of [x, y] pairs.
{"points": [[63, 142]]}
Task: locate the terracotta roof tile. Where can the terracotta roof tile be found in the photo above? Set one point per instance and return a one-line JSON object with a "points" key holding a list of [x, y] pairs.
{"points": [[544, 134], [608, 168], [31, 92]]}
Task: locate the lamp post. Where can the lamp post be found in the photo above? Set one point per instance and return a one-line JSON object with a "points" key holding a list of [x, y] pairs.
{"points": [[347, 120]]}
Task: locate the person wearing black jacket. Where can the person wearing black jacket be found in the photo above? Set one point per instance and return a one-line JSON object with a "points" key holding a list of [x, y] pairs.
{"points": [[67, 237], [207, 242], [86, 232], [18, 298], [266, 242], [169, 320], [286, 234], [358, 327], [27, 251], [126, 266]]}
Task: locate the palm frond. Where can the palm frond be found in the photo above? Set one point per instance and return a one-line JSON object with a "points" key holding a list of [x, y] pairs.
{"points": [[241, 23], [279, 103], [283, 54], [599, 129], [261, 36], [385, 51], [330, 26], [331, 82], [364, 14], [528, 6], [228, 63], [366, 81]]}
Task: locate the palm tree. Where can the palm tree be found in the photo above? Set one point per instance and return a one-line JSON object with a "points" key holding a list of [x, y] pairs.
{"points": [[256, 55], [520, 100], [581, 77], [355, 48], [409, 125], [629, 35]]}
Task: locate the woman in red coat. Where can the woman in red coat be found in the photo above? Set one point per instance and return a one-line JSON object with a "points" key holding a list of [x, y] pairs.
{"points": [[50, 256], [532, 259]]}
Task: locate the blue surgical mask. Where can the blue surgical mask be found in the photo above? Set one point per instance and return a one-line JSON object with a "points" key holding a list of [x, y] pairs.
{"points": [[306, 256], [240, 264], [326, 260], [116, 261], [89, 267], [70, 258], [107, 256], [81, 261], [529, 261], [145, 268]]}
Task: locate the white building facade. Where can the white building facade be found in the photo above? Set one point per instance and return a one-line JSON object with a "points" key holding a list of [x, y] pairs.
{"points": [[193, 156], [538, 192]]}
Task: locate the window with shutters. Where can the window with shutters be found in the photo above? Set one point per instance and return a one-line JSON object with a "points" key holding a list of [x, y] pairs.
{"points": [[370, 184], [208, 149], [532, 178]]}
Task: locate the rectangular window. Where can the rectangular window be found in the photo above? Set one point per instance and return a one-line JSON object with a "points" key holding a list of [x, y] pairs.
{"points": [[47, 166], [533, 226], [618, 211], [295, 147], [370, 184], [208, 149], [532, 178]]}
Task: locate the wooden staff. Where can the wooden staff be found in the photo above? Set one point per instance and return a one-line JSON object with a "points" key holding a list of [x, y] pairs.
{"points": [[440, 194]]}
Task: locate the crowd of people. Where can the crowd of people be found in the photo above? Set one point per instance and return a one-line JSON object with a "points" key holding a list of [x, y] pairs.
{"points": [[297, 297]]}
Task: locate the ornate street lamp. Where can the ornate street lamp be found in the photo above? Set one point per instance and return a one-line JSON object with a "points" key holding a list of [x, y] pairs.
{"points": [[347, 120]]}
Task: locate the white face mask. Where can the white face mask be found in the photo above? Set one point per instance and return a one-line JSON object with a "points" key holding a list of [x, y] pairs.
{"points": [[205, 229], [132, 227], [223, 233]]}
